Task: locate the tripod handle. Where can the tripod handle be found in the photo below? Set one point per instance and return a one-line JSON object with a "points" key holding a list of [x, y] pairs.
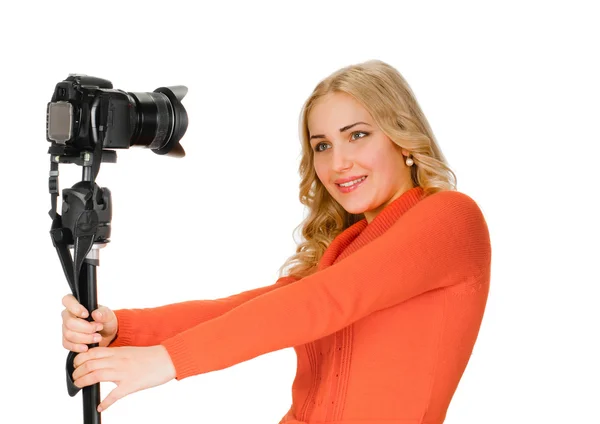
{"points": [[88, 298], [72, 389]]}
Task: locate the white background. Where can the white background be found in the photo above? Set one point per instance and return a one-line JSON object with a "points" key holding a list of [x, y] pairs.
{"points": [[511, 91]]}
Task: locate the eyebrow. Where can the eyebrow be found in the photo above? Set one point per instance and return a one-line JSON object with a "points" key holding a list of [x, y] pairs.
{"points": [[346, 128]]}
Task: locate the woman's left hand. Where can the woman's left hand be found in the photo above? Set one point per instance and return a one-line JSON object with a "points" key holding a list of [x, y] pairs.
{"points": [[131, 368]]}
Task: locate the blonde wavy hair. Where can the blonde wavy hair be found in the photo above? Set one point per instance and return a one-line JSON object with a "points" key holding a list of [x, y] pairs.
{"points": [[384, 93]]}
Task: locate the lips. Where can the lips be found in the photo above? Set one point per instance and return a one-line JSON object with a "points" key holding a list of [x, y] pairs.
{"points": [[347, 180], [353, 187]]}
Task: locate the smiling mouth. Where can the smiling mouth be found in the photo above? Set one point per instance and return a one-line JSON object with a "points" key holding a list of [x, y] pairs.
{"points": [[349, 184], [355, 185]]}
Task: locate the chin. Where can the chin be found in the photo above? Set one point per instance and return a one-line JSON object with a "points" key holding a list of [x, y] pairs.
{"points": [[355, 207], [356, 210]]}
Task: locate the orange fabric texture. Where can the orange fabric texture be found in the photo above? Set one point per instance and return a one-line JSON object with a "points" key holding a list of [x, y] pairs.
{"points": [[383, 330]]}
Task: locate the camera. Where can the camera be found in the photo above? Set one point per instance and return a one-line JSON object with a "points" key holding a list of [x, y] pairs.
{"points": [[86, 111]]}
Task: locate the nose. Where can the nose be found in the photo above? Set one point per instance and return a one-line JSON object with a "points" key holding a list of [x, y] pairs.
{"points": [[341, 161]]}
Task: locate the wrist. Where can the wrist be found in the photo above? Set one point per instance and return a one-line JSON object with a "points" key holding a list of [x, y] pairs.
{"points": [[169, 366]]}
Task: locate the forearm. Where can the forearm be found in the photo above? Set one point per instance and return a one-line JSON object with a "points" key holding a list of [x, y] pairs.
{"points": [[150, 326]]}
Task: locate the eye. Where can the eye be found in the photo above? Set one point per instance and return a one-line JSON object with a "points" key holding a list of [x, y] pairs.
{"points": [[317, 149], [358, 132]]}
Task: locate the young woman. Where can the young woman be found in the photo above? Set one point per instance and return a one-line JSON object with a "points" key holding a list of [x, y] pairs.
{"points": [[382, 301]]}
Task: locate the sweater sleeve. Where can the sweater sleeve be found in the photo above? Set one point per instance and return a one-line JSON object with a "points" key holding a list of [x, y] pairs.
{"points": [[150, 326], [441, 241]]}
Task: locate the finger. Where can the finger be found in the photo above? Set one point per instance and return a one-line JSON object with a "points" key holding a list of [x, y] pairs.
{"points": [[117, 393], [102, 375], [74, 347], [80, 325], [102, 314], [83, 338], [86, 368], [94, 353], [74, 306], [92, 366]]}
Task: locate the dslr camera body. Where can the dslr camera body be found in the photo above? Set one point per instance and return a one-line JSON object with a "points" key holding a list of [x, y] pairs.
{"points": [[86, 111]]}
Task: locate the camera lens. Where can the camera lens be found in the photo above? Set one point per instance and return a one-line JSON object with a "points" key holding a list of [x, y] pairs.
{"points": [[161, 120]]}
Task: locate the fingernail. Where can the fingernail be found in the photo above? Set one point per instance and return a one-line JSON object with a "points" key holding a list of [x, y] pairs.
{"points": [[99, 315], [97, 338], [99, 409], [83, 313]]}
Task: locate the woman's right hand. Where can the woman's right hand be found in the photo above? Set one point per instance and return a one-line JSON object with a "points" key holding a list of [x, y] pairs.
{"points": [[77, 332]]}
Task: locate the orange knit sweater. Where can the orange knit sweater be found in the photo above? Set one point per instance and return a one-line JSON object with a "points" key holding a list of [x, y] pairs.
{"points": [[383, 330]]}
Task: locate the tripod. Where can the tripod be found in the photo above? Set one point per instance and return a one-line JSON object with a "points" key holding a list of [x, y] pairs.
{"points": [[84, 115], [85, 227]]}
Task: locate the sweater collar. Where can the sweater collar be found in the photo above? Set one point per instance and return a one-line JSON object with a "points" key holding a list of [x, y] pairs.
{"points": [[362, 232]]}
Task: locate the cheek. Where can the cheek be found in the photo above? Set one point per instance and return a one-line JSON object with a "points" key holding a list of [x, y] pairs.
{"points": [[321, 171], [383, 164], [372, 160]]}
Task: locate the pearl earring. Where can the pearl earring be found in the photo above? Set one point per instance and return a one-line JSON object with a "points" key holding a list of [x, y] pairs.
{"points": [[409, 162]]}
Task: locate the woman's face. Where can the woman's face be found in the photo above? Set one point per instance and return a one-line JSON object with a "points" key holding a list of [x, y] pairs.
{"points": [[346, 144]]}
